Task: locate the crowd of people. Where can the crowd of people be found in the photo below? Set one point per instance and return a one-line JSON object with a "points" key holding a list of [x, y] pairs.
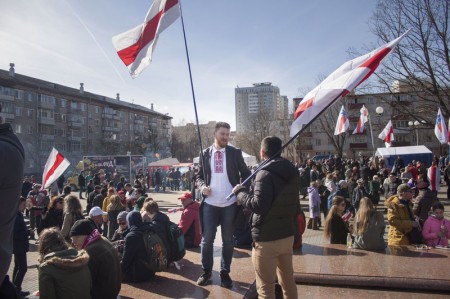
{"points": [[90, 253], [353, 189]]}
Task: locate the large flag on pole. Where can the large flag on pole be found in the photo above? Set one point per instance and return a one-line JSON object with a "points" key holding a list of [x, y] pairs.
{"points": [[135, 47], [363, 118], [337, 85], [54, 167], [440, 129], [387, 135], [342, 123]]}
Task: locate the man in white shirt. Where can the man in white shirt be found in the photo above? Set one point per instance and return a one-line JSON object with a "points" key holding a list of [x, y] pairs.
{"points": [[224, 169]]}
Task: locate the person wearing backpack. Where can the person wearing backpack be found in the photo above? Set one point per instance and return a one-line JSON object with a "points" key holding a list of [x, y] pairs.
{"points": [[134, 257]]}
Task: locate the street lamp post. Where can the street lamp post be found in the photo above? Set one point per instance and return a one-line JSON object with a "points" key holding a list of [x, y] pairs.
{"points": [[415, 126]]}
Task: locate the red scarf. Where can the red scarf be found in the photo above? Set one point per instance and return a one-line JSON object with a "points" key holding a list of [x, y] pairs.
{"points": [[94, 236]]}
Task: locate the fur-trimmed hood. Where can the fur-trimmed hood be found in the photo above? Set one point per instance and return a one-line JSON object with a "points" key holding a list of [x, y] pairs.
{"points": [[68, 259]]}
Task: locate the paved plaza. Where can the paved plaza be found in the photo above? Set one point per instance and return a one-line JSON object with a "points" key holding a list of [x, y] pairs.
{"points": [[322, 270]]}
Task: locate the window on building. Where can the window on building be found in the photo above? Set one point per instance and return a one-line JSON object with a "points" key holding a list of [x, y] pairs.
{"points": [[18, 129], [30, 97], [19, 94], [30, 130], [63, 103], [90, 114], [8, 107], [18, 111], [83, 106], [73, 105], [97, 109], [318, 142]]}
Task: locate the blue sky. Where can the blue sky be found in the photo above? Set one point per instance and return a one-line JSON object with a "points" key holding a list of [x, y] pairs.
{"points": [[231, 43]]}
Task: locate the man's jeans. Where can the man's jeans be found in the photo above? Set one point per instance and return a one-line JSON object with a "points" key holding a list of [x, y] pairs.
{"points": [[212, 217]]}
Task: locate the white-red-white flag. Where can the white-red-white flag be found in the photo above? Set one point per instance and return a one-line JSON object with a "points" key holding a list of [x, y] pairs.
{"points": [[342, 123], [337, 85], [54, 167], [440, 129], [363, 118], [387, 135], [135, 47]]}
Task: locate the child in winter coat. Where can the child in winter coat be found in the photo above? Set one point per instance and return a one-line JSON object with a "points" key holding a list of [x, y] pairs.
{"points": [[314, 206], [436, 230]]}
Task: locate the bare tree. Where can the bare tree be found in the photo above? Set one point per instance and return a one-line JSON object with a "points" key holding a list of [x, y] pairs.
{"points": [[421, 63], [328, 122]]}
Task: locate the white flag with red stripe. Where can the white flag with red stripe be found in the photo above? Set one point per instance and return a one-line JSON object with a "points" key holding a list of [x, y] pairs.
{"points": [[342, 123], [387, 135], [135, 47], [337, 85], [363, 118], [54, 167], [440, 129]]}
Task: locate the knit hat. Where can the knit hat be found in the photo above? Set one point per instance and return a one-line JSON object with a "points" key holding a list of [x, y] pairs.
{"points": [[403, 188], [122, 216], [83, 227], [134, 218]]}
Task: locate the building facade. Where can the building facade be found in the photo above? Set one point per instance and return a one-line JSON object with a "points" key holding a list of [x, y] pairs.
{"points": [[78, 123]]}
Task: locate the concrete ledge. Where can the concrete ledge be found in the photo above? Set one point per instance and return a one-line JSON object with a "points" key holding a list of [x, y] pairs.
{"points": [[373, 281]]}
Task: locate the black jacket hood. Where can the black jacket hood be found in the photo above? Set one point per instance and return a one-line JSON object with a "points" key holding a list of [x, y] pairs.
{"points": [[282, 168]]}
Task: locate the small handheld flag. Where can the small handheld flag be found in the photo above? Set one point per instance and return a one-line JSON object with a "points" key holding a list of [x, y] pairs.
{"points": [[342, 123], [387, 135], [363, 118]]}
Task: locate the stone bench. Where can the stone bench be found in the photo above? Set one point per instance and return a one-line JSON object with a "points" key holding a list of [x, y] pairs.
{"points": [[403, 267]]}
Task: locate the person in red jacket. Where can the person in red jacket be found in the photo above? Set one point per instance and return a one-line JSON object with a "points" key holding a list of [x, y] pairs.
{"points": [[190, 221]]}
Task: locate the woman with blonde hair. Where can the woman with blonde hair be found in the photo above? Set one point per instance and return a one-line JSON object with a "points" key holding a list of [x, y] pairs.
{"points": [[72, 213], [369, 227], [63, 271], [114, 208], [336, 229]]}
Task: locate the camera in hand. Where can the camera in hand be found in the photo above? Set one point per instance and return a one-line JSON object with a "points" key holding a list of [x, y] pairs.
{"points": [[38, 208]]}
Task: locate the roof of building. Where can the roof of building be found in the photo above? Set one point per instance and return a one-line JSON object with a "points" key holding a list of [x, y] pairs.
{"points": [[42, 85]]}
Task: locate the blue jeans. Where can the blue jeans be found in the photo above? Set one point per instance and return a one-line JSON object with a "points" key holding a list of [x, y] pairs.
{"points": [[212, 217]]}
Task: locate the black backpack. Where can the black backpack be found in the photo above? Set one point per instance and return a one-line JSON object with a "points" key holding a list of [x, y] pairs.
{"points": [[156, 251]]}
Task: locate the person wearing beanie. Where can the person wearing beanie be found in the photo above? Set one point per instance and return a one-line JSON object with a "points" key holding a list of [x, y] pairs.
{"points": [[120, 233], [424, 200], [134, 253], [104, 262]]}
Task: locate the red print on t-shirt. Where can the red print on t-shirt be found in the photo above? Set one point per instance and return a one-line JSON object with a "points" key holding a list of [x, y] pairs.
{"points": [[218, 162]]}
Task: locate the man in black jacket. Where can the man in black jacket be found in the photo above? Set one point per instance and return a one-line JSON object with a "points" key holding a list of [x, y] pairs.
{"points": [[11, 175], [274, 202], [222, 168]]}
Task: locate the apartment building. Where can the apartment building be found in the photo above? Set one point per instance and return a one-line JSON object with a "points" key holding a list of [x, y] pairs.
{"points": [[78, 123], [258, 104]]}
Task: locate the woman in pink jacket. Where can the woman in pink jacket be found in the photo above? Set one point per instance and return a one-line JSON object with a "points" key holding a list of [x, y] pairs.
{"points": [[436, 230]]}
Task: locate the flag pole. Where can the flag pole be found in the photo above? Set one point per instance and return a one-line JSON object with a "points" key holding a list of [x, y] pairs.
{"points": [[287, 143], [193, 93]]}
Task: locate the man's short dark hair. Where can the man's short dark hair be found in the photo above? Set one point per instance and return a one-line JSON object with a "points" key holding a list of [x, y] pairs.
{"points": [[271, 145], [67, 189], [127, 185], [221, 124]]}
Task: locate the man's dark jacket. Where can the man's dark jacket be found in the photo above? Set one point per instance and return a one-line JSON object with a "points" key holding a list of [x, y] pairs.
{"points": [[274, 201]]}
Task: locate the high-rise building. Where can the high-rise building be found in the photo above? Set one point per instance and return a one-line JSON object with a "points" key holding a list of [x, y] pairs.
{"points": [[258, 104], [78, 123]]}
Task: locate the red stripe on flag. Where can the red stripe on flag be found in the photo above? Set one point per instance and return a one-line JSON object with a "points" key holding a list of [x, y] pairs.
{"points": [[129, 54], [58, 160], [373, 63], [302, 107]]}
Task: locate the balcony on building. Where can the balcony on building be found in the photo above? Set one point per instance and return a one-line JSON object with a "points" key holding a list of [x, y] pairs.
{"points": [[305, 147], [401, 143], [5, 97], [47, 137], [46, 121], [74, 138], [110, 129], [7, 117], [110, 138], [46, 105], [74, 124], [355, 145]]}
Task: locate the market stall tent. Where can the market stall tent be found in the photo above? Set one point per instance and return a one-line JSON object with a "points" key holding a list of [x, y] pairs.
{"points": [[407, 153]]}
